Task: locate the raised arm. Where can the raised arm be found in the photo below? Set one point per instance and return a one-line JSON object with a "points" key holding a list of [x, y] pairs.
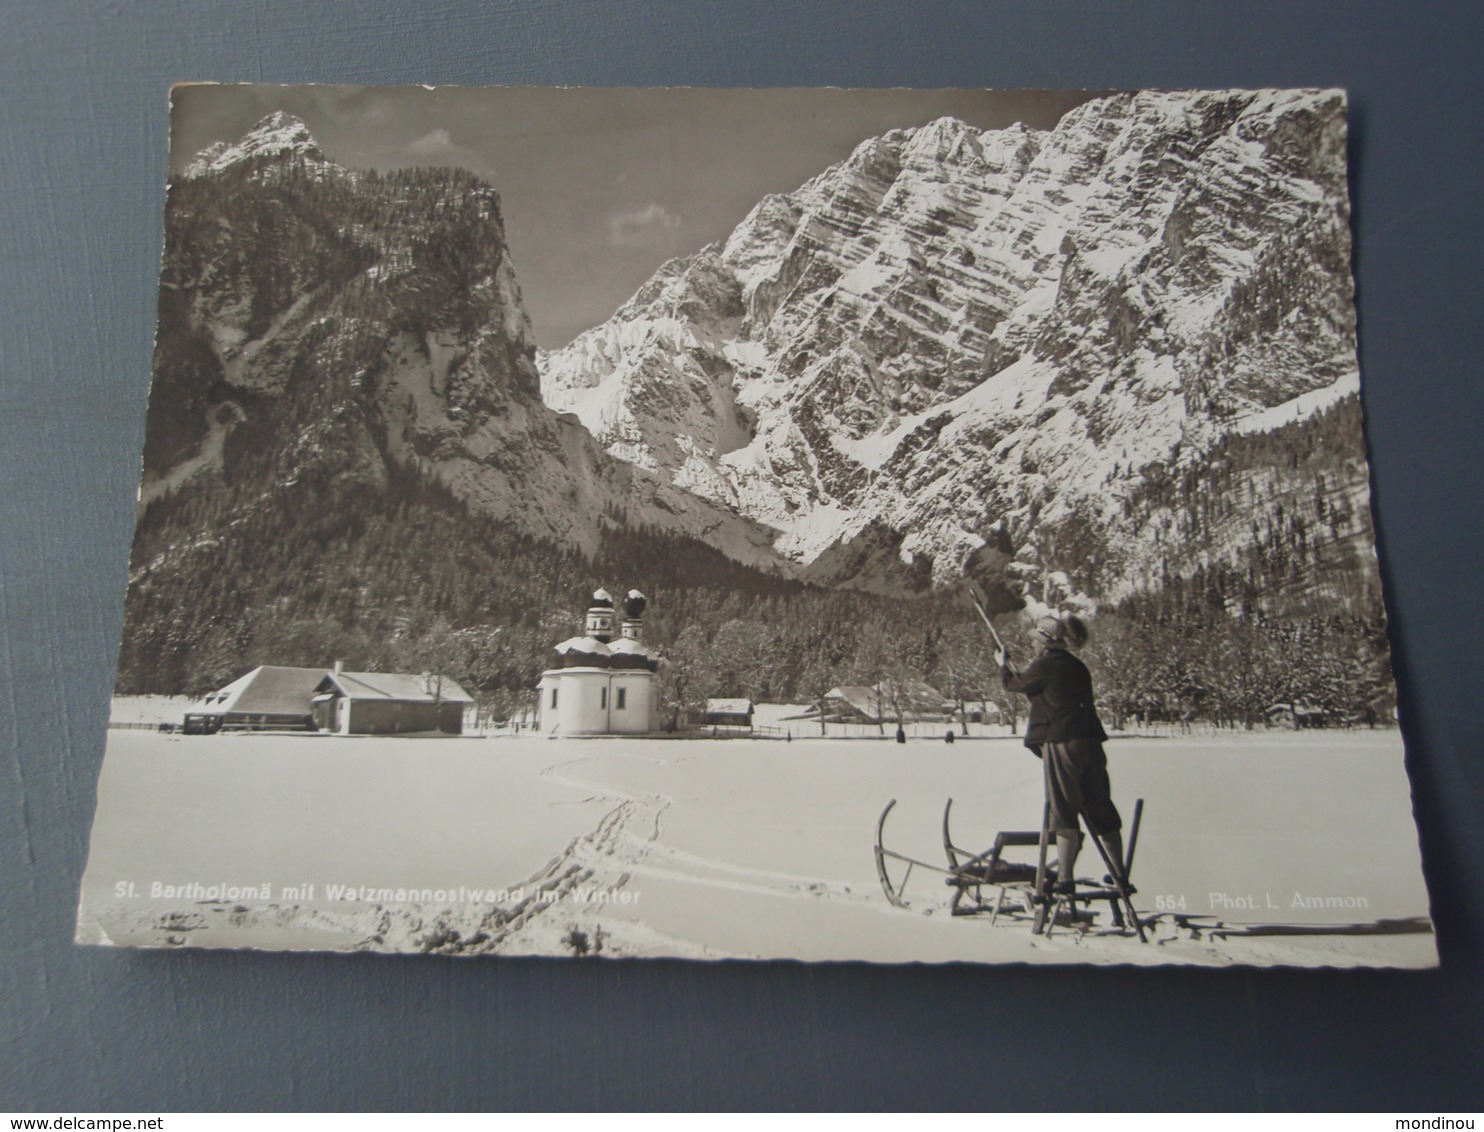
{"points": [[1030, 682]]}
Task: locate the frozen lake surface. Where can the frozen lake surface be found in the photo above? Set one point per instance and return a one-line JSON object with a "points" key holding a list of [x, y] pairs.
{"points": [[737, 848]]}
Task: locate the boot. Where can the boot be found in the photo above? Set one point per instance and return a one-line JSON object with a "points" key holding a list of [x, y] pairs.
{"points": [[1113, 844]]}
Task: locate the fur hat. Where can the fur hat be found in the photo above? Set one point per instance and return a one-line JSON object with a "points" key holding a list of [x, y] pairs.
{"points": [[1076, 630]]}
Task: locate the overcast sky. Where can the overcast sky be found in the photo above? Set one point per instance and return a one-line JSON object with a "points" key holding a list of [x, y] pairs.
{"points": [[599, 187]]}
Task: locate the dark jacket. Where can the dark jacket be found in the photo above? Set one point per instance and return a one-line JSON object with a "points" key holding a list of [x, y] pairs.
{"points": [[1060, 688]]}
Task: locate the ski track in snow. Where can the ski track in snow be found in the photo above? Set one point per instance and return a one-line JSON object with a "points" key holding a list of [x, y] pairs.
{"points": [[595, 862], [580, 889], [649, 856], [629, 837]]}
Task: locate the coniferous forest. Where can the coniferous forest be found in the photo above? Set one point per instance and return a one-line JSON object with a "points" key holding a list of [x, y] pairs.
{"points": [[405, 578]]}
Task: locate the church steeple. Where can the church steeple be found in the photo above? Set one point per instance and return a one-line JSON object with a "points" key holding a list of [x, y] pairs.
{"points": [[600, 617], [633, 616]]}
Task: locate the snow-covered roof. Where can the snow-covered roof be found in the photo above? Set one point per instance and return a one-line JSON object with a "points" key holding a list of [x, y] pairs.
{"points": [[913, 697], [917, 695], [628, 645], [402, 686], [849, 692], [729, 707], [269, 689], [584, 644]]}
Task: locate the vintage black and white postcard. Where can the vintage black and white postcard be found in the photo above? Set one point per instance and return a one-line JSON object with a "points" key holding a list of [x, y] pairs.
{"points": [[815, 524]]}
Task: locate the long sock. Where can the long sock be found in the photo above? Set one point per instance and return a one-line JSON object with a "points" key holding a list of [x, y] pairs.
{"points": [[1113, 843], [1066, 855]]}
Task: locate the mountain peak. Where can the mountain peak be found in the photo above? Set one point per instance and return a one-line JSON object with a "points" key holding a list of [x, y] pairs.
{"points": [[947, 128], [279, 135], [943, 140], [956, 328]]}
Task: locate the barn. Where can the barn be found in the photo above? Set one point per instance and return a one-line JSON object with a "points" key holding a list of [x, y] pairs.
{"points": [[272, 697], [914, 701], [1297, 716], [388, 703], [275, 697], [727, 713], [851, 703]]}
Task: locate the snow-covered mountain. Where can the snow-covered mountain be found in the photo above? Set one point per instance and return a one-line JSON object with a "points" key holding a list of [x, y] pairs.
{"points": [[992, 350], [279, 136], [320, 322]]}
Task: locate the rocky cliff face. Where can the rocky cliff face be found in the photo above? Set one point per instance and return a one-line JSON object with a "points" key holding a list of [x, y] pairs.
{"points": [[960, 348], [322, 322]]}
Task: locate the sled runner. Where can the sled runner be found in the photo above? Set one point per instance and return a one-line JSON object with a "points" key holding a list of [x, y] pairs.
{"points": [[968, 874], [895, 889]]}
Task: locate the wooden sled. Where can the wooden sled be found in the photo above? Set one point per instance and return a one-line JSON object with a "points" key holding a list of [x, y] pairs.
{"points": [[981, 882], [971, 874], [984, 882]]}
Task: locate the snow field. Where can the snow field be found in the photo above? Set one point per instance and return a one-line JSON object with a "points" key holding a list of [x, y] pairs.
{"points": [[743, 848]]}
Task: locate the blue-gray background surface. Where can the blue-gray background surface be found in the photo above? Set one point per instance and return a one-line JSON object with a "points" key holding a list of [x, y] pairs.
{"points": [[82, 152]]}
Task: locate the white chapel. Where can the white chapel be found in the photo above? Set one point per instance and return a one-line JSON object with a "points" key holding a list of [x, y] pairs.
{"points": [[597, 685]]}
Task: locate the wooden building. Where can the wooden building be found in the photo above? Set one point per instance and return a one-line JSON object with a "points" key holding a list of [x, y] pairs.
{"points": [[913, 701], [1299, 716], [279, 698], [389, 703], [727, 713]]}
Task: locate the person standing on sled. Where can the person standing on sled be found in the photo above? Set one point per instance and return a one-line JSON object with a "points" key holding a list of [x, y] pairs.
{"points": [[1065, 731]]}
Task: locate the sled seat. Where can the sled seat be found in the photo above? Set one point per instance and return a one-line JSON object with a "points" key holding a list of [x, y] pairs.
{"points": [[969, 875]]}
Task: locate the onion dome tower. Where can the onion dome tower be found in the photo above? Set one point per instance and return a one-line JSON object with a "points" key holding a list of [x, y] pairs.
{"points": [[634, 604], [600, 617], [629, 651], [590, 650]]}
